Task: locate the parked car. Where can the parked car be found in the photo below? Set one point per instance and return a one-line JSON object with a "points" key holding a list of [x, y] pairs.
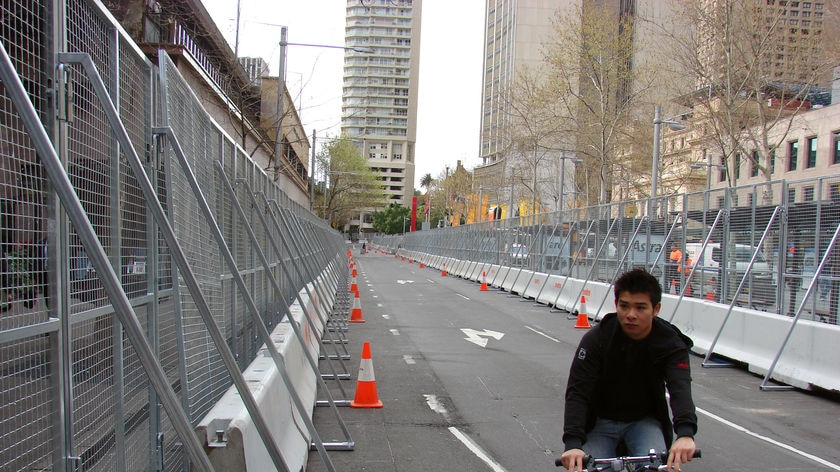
{"points": [[518, 254]]}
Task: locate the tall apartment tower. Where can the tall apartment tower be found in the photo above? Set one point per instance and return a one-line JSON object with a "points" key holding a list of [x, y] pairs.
{"points": [[379, 101]]}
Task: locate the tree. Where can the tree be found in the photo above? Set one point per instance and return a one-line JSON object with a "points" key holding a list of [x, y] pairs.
{"points": [[393, 220], [353, 186], [535, 131], [751, 70], [598, 85]]}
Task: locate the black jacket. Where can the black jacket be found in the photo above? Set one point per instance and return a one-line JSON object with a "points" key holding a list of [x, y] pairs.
{"points": [[615, 377]]}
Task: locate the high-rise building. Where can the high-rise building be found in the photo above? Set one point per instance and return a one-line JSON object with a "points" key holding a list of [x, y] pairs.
{"points": [[379, 103], [514, 33]]}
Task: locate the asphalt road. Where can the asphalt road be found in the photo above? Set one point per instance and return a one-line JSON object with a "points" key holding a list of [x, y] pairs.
{"points": [[474, 381]]}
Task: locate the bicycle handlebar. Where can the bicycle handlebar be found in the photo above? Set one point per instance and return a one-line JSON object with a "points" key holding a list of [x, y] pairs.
{"points": [[662, 456]]}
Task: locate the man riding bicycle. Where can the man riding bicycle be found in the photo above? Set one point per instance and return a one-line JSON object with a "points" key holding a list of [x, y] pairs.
{"points": [[616, 390]]}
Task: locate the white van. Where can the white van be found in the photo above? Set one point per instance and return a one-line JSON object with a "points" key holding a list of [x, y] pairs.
{"points": [[713, 256]]}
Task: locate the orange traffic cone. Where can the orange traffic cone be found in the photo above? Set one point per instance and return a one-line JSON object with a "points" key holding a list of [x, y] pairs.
{"points": [[366, 396], [356, 312], [403, 257], [443, 272], [483, 281], [582, 319], [410, 260], [422, 265], [710, 296], [353, 273], [353, 286]]}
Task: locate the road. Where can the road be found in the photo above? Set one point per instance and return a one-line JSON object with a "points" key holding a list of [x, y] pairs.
{"points": [[474, 381]]}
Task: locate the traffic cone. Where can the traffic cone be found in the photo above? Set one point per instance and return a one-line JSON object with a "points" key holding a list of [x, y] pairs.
{"points": [[410, 260], [483, 281], [422, 265], [353, 286], [710, 296], [443, 272], [356, 312], [582, 319], [366, 396], [353, 273]]}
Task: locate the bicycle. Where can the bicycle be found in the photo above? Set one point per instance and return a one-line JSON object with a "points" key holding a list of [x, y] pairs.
{"points": [[652, 461]]}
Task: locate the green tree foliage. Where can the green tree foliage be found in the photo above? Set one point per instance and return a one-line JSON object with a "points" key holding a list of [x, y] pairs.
{"points": [[352, 185], [392, 220]]}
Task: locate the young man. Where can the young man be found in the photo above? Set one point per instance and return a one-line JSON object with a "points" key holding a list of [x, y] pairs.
{"points": [[616, 388]]}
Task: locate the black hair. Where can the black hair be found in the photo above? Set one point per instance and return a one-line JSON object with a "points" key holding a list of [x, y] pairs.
{"points": [[639, 281]]}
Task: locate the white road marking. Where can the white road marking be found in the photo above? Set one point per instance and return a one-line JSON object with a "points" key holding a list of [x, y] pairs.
{"points": [[476, 449], [769, 440], [387, 317], [542, 334], [403, 282], [475, 337], [436, 406], [463, 296], [395, 332], [409, 359], [379, 305]]}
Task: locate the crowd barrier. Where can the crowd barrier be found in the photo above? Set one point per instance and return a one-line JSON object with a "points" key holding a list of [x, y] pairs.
{"points": [[726, 335]]}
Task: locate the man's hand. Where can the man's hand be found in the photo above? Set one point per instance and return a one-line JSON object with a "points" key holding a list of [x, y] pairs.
{"points": [[682, 451], [573, 460]]}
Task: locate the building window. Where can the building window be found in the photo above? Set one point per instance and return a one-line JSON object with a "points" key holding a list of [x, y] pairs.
{"points": [[793, 155], [737, 166], [812, 152], [836, 138], [808, 194], [754, 164], [772, 161], [791, 195], [722, 171], [372, 155]]}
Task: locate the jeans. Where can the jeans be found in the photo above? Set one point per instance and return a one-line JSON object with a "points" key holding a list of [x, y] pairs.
{"points": [[639, 437]]}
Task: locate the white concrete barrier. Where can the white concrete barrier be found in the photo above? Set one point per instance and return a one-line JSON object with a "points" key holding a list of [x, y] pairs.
{"points": [[230, 437], [751, 337]]}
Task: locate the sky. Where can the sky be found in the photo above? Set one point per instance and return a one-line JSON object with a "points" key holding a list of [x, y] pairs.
{"points": [[451, 52]]}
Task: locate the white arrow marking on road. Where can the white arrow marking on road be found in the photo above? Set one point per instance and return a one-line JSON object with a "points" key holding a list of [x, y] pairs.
{"points": [[475, 337], [403, 282]]}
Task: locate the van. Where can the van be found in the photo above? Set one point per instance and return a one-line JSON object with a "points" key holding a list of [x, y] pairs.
{"points": [[707, 267], [713, 256]]}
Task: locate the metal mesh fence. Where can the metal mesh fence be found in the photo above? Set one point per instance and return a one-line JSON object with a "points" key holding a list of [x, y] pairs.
{"points": [[757, 246], [74, 394]]}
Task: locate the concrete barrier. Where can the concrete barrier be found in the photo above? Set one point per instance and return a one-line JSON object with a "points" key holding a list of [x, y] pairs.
{"points": [[230, 437], [751, 337]]}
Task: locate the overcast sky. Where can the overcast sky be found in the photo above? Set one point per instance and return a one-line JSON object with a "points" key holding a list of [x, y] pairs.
{"points": [[451, 50]]}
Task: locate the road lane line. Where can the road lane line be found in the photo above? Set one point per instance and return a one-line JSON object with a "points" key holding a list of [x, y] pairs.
{"points": [[769, 440], [476, 449], [409, 359], [542, 334], [395, 332], [462, 296]]}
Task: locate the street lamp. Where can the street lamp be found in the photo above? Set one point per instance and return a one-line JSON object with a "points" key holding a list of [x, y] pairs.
{"points": [[709, 166], [657, 124], [405, 218], [281, 90]]}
